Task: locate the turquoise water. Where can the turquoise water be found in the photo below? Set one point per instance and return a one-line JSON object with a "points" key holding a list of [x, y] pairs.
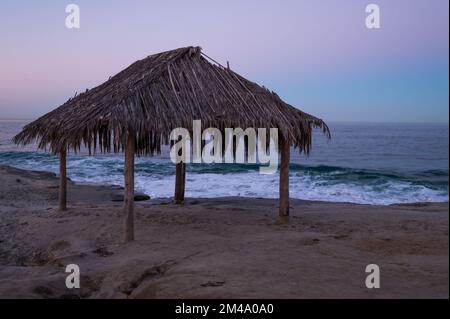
{"points": [[363, 163]]}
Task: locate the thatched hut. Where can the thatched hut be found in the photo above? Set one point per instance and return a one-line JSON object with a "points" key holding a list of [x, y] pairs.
{"points": [[135, 111]]}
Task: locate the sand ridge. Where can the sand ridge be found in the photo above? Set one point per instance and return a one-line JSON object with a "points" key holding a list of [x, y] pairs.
{"points": [[214, 248]]}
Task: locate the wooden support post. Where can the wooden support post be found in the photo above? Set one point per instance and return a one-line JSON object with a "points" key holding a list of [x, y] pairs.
{"points": [[128, 204], [183, 181], [284, 178], [62, 181], [180, 181]]}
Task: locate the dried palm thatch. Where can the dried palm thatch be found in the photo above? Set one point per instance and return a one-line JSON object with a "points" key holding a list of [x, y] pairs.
{"points": [[159, 93]]}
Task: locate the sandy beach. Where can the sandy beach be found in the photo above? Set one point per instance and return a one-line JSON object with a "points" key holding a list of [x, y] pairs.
{"points": [[214, 248]]}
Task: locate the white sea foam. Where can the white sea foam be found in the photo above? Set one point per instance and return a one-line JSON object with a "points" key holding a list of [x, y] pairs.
{"points": [[156, 178], [266, 186]]}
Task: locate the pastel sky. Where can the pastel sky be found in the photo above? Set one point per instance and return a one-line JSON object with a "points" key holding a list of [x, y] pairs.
{"points": [[318, 55]]}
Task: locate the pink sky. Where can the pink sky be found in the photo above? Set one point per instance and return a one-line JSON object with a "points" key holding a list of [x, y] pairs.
{"points": [[305, 50]]}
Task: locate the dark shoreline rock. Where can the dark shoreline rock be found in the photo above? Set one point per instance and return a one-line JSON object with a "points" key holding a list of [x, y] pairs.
{"points": [[118, 197]]}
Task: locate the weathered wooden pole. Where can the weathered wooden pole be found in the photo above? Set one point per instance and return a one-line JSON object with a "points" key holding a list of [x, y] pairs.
{"points": [[180, 180], [128, 202], [62, 181], [183, 184], [284, 178]]}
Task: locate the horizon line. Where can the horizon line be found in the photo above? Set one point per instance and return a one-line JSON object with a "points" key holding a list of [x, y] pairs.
{"points": [[331, 121]]}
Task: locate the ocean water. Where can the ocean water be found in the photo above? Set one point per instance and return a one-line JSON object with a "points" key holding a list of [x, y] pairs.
{"points": [[363, 163]]}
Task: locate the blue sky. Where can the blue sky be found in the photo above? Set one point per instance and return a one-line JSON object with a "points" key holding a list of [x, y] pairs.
{"points": [[318, 55]]}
